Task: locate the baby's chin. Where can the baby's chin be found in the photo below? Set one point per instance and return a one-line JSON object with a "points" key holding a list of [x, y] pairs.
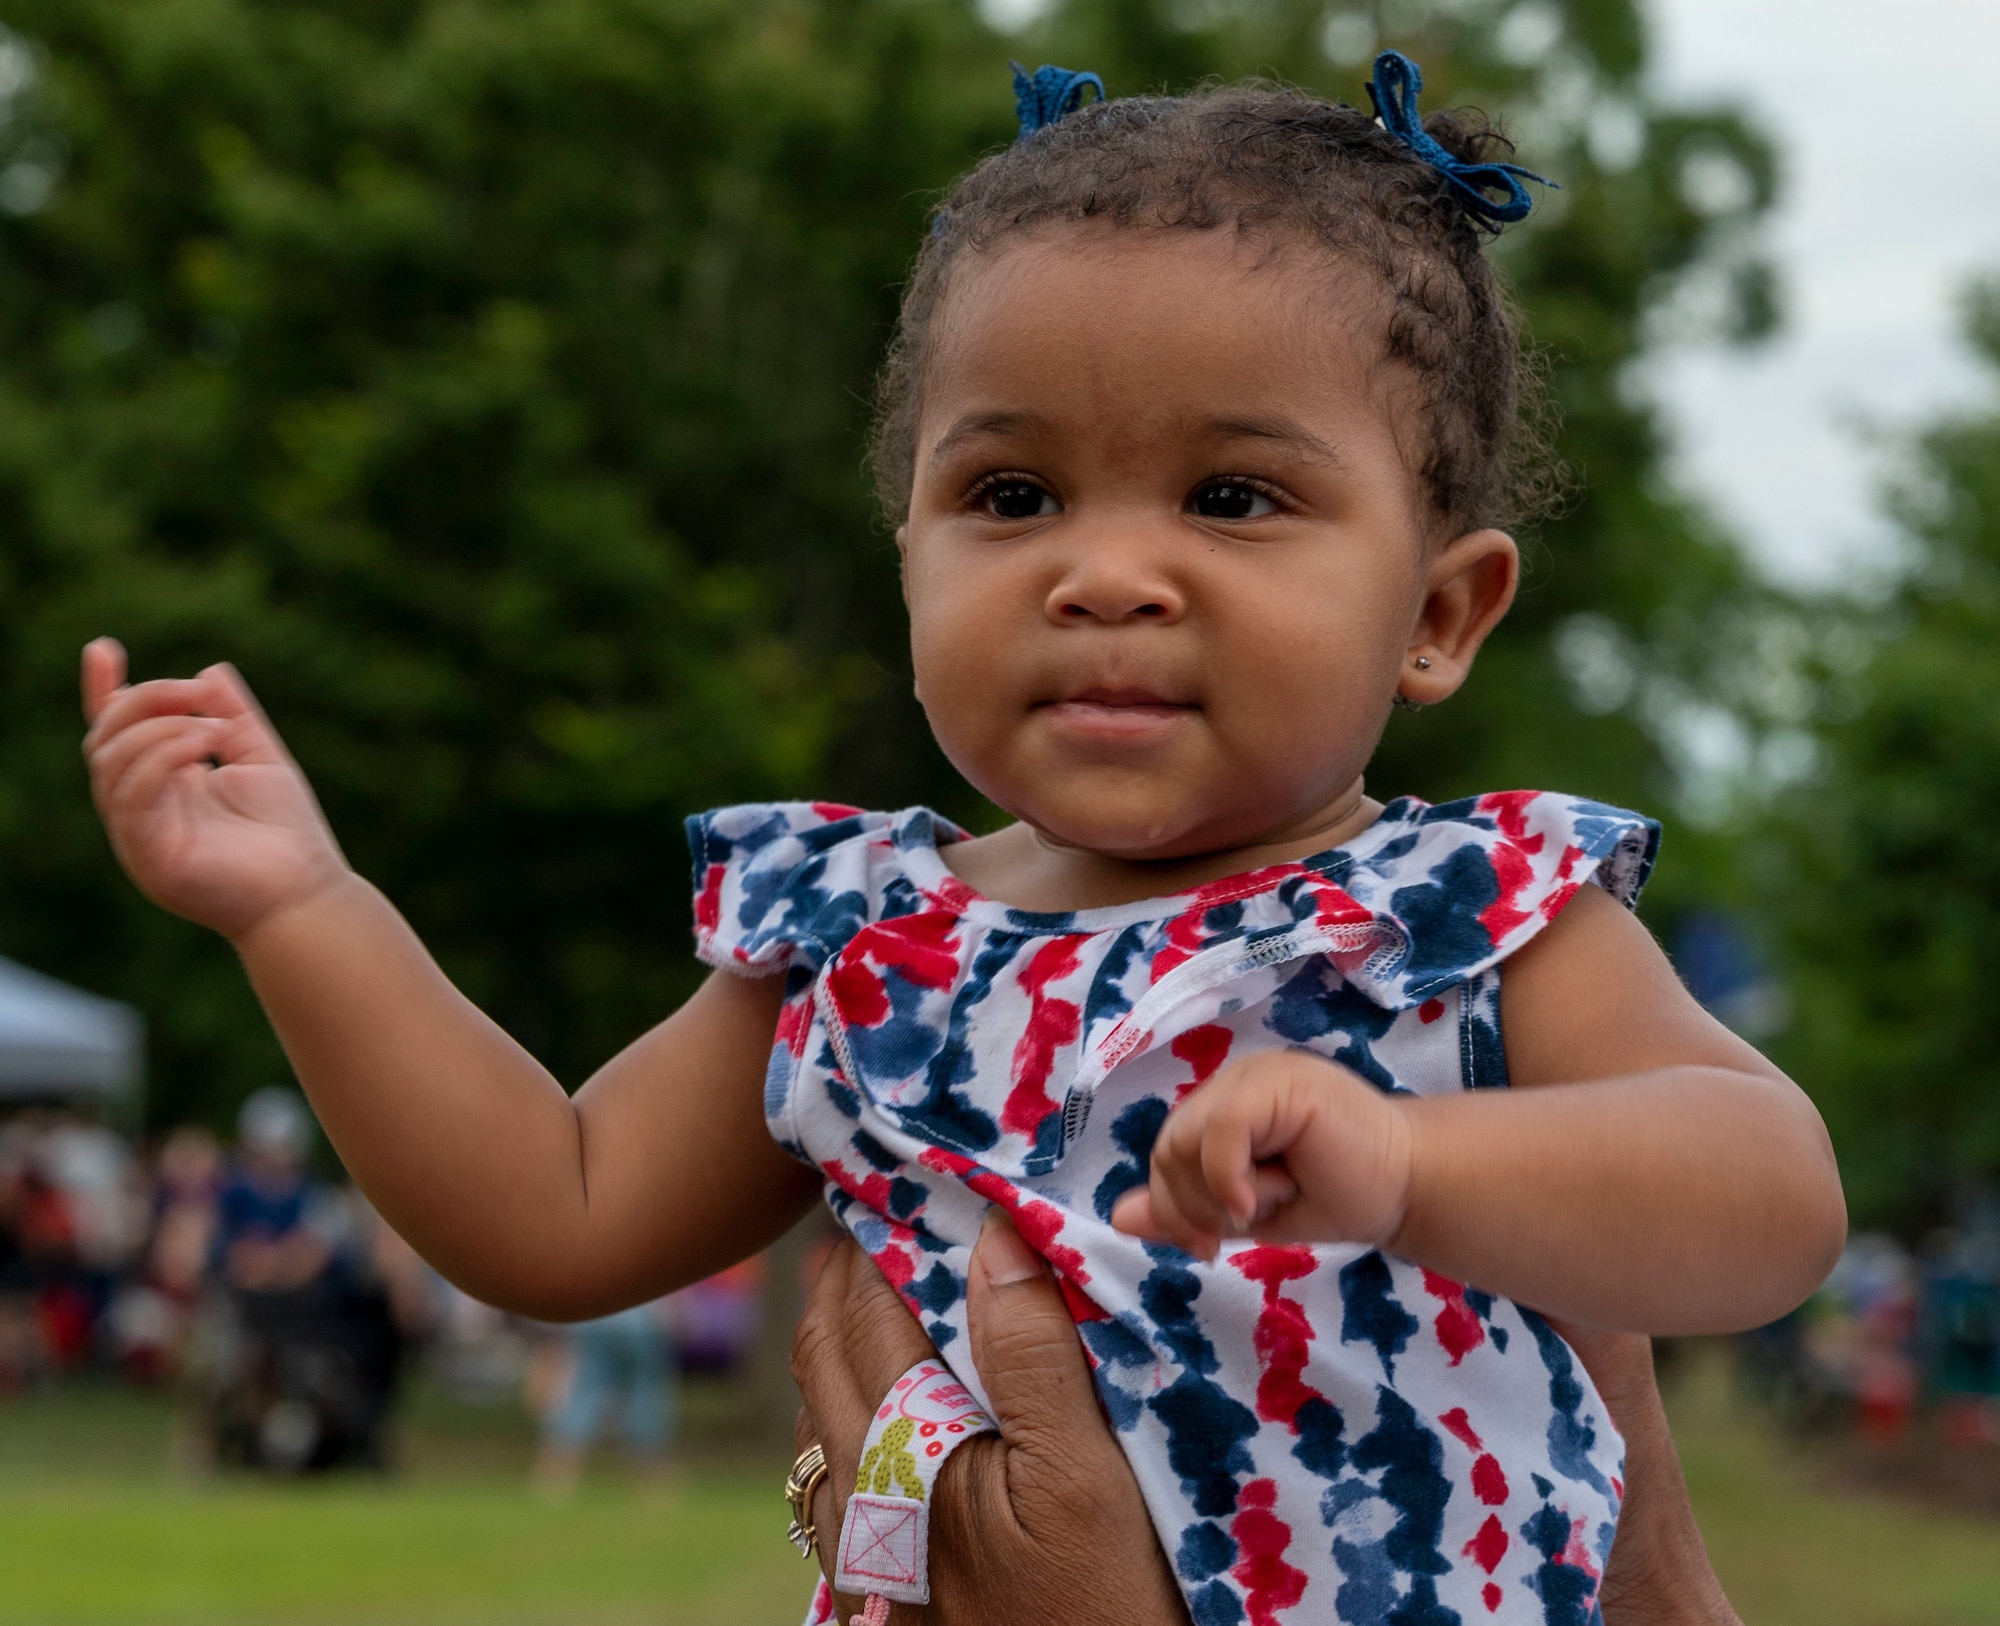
{"points": [[1136, 829]]}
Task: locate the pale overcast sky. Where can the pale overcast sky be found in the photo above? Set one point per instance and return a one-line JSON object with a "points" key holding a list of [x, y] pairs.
{"points": [[1889, 120]]}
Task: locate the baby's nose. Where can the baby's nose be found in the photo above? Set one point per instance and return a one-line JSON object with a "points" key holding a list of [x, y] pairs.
{"points": [[1115, 580]]}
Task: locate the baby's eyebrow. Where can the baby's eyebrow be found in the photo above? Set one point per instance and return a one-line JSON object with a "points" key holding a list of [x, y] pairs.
{"points": [[1294, 437], [983, 423]]}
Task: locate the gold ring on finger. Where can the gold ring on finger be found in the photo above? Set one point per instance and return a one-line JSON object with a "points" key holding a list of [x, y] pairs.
{"points": [[805, 1476]]}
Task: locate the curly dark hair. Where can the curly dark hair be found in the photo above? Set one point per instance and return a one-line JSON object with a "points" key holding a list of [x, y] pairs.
{"points": [[1263, 157]]}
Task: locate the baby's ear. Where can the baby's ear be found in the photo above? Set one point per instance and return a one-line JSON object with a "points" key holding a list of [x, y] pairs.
{"points": [[903, 559], [1468, 586]]}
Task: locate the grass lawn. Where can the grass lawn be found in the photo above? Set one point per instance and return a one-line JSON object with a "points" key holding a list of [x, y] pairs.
{"points": [[96, 1527], [1793, 1550]]}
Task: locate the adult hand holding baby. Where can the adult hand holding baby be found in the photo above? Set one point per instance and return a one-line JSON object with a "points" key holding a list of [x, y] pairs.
{"points": [[1042, 1521], [205, 807]]}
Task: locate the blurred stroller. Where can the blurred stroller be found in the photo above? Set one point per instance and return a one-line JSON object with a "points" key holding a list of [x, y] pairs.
{"points": [[305, 1343]]}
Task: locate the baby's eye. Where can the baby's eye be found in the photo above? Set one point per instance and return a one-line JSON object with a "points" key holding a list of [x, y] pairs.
{"points": [[1017, 499], [1231, 499]]}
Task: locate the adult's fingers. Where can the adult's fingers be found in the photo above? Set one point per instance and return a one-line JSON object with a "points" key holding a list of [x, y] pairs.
{"points": [[1619, 1363], [823, 1371], [854, 1340], [102, 674], [821, 1366], [1030, 1359], [1058, 1485], [1659, 1570], [1272, 1191]]}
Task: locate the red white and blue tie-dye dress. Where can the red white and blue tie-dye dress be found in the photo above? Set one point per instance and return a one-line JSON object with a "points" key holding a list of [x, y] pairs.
{"points": [[1321, 1433]]}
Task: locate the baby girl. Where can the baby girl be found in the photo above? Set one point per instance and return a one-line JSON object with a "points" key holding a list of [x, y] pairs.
{"points": [[1196, 435]]}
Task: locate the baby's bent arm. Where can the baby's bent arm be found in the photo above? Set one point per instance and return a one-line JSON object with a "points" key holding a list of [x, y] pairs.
{"points": [[657, 1173], [1648, 1171]]}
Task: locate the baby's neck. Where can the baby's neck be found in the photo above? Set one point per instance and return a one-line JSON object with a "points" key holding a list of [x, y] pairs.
{"points": [[1026, 868]]}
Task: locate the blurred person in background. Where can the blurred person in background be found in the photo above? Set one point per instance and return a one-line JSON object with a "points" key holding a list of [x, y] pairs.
{"points": [[715, 1322], [1962, 1323], [319, 1300], [151, 1315], [263, 1242], [50, 1310], [105, 1190], [187, 1196], [18, 1344], [618, 1368], [1848, 1359]]}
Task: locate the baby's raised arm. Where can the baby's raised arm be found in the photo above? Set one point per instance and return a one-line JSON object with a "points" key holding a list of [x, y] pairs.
{"points": [[1648, 1171], [658, 1172]]}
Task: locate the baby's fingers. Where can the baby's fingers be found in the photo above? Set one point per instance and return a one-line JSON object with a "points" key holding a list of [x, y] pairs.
{"points": [[217, 693], [1184, 1204], [116, 766], [135, 703], [1155, 1213], [1228, 1164], [103, 675], [1276, 1190], [1198, 1228], [1133, 1214], [251, 738], [1136, 1214]]}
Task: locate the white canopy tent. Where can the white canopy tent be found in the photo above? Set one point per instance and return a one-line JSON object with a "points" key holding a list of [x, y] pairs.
{"points": [[59, 1041]]}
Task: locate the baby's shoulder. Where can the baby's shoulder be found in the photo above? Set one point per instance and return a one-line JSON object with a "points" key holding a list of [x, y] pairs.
{"points": [[784, 883], [1472, 881]]}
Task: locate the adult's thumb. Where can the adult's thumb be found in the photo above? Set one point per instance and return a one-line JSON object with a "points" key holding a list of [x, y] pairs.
{"points": [[1025, 1345]]}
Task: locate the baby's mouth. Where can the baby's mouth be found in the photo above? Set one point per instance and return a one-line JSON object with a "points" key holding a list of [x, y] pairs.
{"points": [[1108, 709]]}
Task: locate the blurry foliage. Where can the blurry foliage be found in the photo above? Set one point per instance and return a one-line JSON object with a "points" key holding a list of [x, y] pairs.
{"points": [[487, 379], [1882, 868]]}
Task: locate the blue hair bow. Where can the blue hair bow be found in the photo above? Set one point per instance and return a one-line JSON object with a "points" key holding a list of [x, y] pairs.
{"points": [[1394, 91], [1048, 93]]}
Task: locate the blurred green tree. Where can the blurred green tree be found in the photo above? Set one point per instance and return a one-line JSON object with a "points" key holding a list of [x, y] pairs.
{"points": [[483, 379], [1879, 866], [487, 379]]}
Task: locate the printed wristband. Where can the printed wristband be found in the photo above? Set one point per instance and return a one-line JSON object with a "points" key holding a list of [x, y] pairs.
{"points": [[885, 1536]]}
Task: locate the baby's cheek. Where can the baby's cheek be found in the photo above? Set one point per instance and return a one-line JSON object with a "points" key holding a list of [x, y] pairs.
{"points": [[962, 681]]}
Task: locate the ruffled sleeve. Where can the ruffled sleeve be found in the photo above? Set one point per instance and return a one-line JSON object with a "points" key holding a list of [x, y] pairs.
{"points": [[779, 884], [1465, 884]]}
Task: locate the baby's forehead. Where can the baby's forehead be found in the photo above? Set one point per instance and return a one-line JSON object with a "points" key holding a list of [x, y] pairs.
{"points": [[1157, 333], [1269, 276]]}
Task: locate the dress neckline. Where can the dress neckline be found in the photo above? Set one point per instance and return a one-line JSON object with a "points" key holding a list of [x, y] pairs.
{"points": [[918, 834]]}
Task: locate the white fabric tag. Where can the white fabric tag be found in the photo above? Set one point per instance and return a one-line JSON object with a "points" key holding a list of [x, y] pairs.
{"points": [[885, 1535]]}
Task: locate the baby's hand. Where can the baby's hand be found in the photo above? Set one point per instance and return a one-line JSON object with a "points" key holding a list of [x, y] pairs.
{"points": [[1282, 1146], [204, 806]]}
